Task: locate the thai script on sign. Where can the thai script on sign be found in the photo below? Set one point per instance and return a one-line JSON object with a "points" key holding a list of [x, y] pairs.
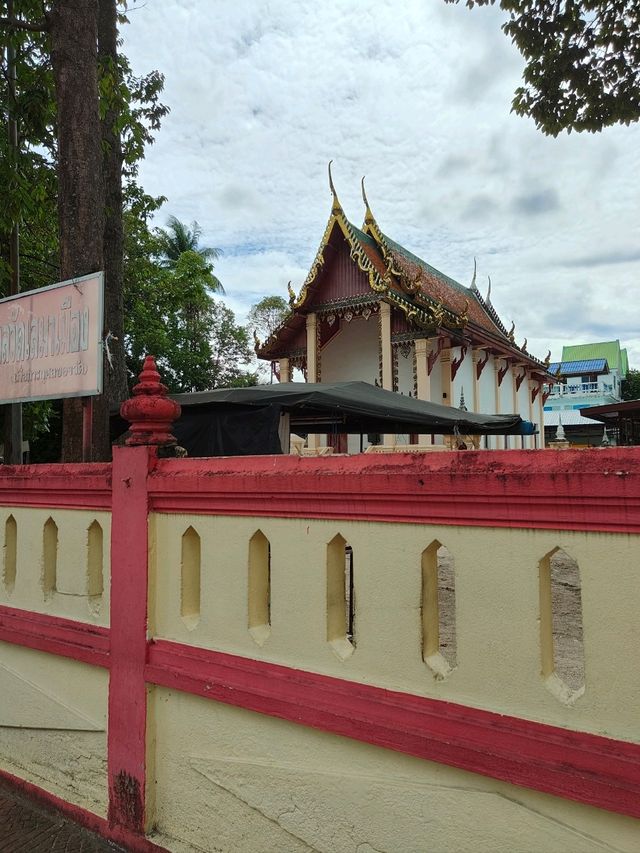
{"points": [[22, 375], [51, 341], [44, 336]]}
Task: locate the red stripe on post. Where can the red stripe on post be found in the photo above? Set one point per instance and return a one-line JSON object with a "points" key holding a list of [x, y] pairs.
{"points": [[65, 637], [599, 771], [127, 689]]}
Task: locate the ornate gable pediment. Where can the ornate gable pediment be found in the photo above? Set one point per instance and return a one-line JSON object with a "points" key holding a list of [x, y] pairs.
{"points": [[355, 267]]}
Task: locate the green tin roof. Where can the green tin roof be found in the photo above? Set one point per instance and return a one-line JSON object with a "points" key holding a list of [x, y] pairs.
{"points": [[616, 357]]}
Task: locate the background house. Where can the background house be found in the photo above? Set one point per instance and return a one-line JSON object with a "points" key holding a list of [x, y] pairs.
{"points": [[588, 375]]}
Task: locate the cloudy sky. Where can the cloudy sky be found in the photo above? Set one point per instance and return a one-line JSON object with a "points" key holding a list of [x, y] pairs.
{"points": [[416, 95]]}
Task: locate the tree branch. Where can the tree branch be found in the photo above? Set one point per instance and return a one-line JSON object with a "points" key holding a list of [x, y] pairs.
{"points": [[16, 24]]}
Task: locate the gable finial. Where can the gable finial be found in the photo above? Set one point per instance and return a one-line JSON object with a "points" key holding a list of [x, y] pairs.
{"points": [[488, 299], [512, 331], [337, 207], [368, 215], [474, 286]]}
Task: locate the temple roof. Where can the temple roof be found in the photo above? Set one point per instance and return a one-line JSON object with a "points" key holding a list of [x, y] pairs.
{"points": [[431, 301]]}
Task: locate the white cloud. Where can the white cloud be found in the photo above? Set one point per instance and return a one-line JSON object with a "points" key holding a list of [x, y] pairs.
{"points": [[416, 96]]}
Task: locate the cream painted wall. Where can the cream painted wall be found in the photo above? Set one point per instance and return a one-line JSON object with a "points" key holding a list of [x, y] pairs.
{"points": [[486, 388], [506, 392], [70, 599], [229, 780], [53, 725], [353, 352], [497, 606]]}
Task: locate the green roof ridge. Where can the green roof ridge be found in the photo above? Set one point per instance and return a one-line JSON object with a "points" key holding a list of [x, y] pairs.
{"points": [[365, 238]]}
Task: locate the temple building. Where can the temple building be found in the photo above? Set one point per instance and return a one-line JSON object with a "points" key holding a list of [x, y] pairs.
{"points": [[371, 310]]}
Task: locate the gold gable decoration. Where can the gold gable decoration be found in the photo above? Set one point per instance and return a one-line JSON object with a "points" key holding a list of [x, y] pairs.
{"points": [[377, 283]]}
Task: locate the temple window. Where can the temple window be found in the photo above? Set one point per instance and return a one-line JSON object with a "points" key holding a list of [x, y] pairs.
{"points": [[561, 632], [259, 590], [49, 558], [340, 597], [10, 553], [95, 579], [439, 645], [190, 578]]}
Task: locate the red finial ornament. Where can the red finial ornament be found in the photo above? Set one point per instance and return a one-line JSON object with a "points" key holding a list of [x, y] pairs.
{"points": [[150, 412]]}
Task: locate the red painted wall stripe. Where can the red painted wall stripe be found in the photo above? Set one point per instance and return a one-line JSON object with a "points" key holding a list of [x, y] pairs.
{"points": [[65, 637], [576, 765], [85, 486], [131, 841], [593, 490], [127, 689]]}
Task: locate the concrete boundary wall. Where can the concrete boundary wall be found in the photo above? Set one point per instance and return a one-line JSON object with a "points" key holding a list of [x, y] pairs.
{"points": [[201, 587]]}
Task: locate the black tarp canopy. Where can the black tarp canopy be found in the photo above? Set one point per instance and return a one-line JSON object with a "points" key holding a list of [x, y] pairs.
{"points": [[242, 421]]}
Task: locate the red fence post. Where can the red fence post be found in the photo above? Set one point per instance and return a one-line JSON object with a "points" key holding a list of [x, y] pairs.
{"points": [[150, 413]]}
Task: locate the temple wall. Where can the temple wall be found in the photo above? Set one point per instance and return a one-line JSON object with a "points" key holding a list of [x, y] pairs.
{"points": [[53, 710], [496, 608], [293, 660], [255, 783], [60, 562], [53, 721], [352, 353]]}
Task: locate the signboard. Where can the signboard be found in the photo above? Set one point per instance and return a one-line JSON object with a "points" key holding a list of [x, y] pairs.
{"points": [[51, 341]]}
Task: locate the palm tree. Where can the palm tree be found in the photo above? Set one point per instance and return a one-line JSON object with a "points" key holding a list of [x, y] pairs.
{"points": [[179, 239]]}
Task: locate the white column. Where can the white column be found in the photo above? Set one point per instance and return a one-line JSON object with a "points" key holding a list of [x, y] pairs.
{"points": [[313, 441], [499, 439], [423, 380], [476, 354], [387, 356], [285, 370], [514, 370], [445, 367], [312, 348], [541, 440]]}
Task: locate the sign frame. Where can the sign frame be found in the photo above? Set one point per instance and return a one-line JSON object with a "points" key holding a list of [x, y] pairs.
{"points": [[99, 352]]}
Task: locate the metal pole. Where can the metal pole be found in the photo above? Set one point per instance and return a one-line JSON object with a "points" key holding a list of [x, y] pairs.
{"points": [[13, 431]]}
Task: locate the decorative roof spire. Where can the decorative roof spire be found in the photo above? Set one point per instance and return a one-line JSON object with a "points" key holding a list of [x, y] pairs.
{"points": [[337, 207], [368, 215], [547, 359], [474, 286], [292, 293], [512, 330], [560, 436], [462, 406]]}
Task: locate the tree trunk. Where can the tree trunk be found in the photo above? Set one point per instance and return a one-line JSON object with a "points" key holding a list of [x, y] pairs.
{"points": [[113, 234], [73, 33]]}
